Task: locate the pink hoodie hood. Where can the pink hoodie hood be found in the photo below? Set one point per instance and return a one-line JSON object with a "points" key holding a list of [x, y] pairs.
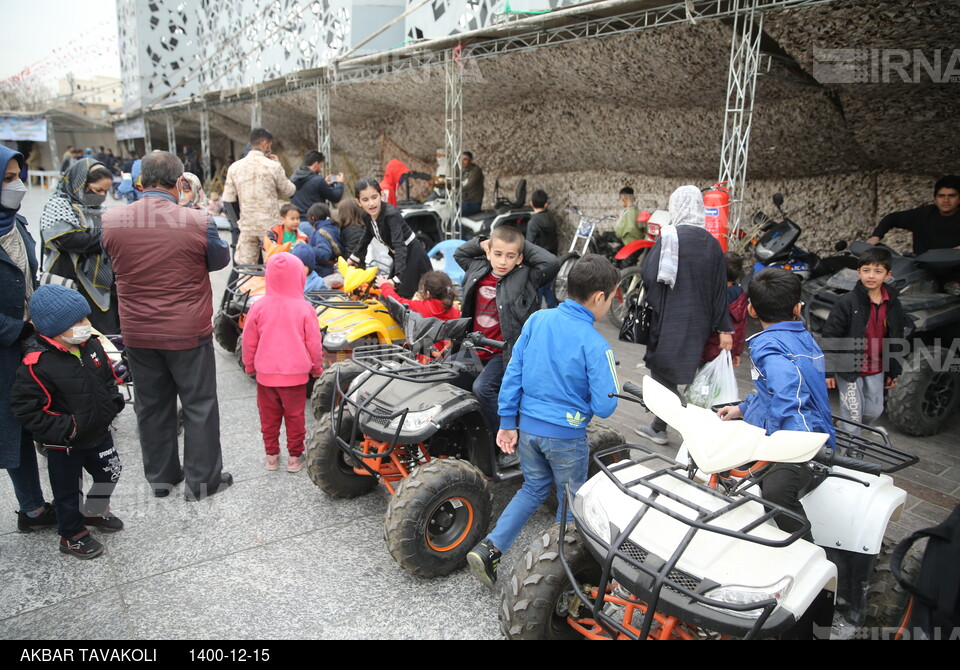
{"points": [[285, 276]]}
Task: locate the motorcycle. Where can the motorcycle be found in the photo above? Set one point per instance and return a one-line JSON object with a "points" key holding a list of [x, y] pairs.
{"points": [[586, 239], [629, 259], [686, 549]]}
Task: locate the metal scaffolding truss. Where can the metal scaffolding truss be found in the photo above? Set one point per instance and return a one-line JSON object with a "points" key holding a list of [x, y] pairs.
{"points": [[205, 141], [323, 119], [738, 113], [453, 131]]}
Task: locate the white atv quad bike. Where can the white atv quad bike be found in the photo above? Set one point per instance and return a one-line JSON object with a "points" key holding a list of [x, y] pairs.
{"points": [[658, 552]]}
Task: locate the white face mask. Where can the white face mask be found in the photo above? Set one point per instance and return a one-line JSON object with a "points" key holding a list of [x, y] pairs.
{"points": [[80, 335], [12, 194]]}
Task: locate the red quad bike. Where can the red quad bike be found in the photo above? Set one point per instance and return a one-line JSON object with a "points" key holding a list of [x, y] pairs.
{"points": [[408, 420]]}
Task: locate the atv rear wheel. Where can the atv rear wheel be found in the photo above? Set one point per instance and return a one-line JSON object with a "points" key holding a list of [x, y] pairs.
{"points": [[436, 516], [924, 400], [324, 390], [329, 466], [225, 332], [538, 596], [886, 600], [567, 261]]}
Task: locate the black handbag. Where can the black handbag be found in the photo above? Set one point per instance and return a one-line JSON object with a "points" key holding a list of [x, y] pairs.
{"points": [[636, 322]]}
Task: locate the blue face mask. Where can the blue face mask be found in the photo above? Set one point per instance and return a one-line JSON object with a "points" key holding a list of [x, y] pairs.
{"points": [[12, 194]]}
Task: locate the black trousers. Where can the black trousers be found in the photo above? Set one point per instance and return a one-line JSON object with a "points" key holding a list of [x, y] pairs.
{"points": [[159, 376], [66, 479]]}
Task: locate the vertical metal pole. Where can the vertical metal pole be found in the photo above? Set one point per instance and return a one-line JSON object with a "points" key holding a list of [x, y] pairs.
{"points": [[54, 153], [323, 120], [171, 135], [738, 115], [256, 112], [453, 132], [205, 143], [147, 141]]}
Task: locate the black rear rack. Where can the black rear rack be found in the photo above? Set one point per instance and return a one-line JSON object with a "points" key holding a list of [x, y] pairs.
{"points": [[881, 451], [656, 573], [395, 362]]}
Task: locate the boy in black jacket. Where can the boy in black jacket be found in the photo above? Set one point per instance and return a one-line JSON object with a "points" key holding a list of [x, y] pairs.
{"points": [[853, 340], [66, 395], [501, 279]]}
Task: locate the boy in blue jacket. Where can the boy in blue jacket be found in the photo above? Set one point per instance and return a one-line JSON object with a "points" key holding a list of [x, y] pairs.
{"points": [[560, 376], [788, 373]]}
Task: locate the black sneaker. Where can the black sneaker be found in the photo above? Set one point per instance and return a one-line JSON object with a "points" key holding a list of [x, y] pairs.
{"points": [[46, 519], [484, 559], [106, 522], [82, 545]]}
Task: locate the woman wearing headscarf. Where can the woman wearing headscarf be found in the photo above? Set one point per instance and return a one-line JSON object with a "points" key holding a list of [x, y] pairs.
{"points": [[191, 192], [18, 272], [686, 286], [70, 228]]}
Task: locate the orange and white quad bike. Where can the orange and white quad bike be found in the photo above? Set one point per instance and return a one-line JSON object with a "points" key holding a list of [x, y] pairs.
{"points": [[688, 549]]}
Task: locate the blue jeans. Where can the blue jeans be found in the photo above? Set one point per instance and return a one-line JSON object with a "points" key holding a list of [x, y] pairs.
{"points": [[545, 292], [468, 207], [26, 477], [487, 389], [544, 461]]}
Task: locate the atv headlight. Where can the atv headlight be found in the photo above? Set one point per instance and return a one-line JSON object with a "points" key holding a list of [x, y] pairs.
{"points": [[335, 339], [594, 516], [415, 421], [749, 595]]}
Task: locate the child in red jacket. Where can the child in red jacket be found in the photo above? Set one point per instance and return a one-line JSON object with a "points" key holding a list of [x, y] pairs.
{"points": [[438, 295], [282, 346]]}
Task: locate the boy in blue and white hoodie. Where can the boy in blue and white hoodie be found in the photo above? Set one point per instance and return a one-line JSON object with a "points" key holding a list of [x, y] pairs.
{"points": [[788, 373], [560, 376]]}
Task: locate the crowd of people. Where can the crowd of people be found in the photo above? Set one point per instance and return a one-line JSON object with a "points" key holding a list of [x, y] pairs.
{"points": [[101, 268]]}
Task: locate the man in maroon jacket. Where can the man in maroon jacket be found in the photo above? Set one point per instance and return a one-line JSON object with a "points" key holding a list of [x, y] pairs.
{"points": [[162, 254]]}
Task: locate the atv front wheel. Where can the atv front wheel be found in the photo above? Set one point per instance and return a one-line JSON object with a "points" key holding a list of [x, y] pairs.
{"points": [[225, 332], [538, 597], [238, 357], [324, 391], [329, 466], [436, 516], [924, 400]]}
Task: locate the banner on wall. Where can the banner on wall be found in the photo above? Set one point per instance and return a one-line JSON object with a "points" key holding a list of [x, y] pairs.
{"points": [[23, 128], [129, 130]]}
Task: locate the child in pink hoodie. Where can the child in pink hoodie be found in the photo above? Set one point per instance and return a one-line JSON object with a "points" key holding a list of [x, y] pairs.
{"points": [[282, 346]]}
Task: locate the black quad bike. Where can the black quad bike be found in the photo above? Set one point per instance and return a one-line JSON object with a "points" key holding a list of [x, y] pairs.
{"points": [[409, 420], [927, 394]]}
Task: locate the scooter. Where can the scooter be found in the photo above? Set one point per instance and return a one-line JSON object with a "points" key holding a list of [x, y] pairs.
{"points": [[688, 549]]}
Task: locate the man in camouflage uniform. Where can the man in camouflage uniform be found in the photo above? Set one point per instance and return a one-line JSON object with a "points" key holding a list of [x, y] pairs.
{"points": [[257, 181]]}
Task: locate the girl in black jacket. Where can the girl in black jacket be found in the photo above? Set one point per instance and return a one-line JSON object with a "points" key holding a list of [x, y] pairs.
{"points": [[66, 395]]}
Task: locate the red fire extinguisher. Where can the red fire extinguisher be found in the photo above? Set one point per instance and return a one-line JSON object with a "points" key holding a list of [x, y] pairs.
{"points": [[717, 204]]}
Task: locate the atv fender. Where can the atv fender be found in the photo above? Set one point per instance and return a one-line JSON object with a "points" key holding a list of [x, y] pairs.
{"points": [[628, 250], [847, 515]]}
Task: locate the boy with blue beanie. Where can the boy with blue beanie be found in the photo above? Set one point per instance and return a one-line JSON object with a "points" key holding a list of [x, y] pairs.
{"points": [[65, 394], [561, 375]]}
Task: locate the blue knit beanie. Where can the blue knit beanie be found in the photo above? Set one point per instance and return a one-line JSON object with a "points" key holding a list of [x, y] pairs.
{"points": [[55, 309], [306, 255]]}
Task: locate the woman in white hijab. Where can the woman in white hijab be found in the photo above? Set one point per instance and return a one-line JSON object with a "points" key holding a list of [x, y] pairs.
{"points": [[686, 285]]}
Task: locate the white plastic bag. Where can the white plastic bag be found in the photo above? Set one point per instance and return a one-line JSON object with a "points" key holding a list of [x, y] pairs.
{"points": [[715, 383]]}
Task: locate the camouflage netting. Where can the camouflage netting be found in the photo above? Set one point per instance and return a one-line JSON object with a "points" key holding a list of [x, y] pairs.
{"points": [[582, 120]]}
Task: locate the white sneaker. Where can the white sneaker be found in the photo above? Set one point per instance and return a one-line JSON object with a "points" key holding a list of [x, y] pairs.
{"points": [[655, 436]]}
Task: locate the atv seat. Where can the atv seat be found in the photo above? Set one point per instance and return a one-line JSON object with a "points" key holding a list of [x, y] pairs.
{"points": [[519, 200]]}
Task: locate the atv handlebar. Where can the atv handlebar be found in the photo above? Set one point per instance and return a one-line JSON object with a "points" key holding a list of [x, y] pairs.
{"points": [[478, 340], [830, 456]]}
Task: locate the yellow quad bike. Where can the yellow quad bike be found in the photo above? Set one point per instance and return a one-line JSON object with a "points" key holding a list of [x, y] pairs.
{"points": [[348, 317]]}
